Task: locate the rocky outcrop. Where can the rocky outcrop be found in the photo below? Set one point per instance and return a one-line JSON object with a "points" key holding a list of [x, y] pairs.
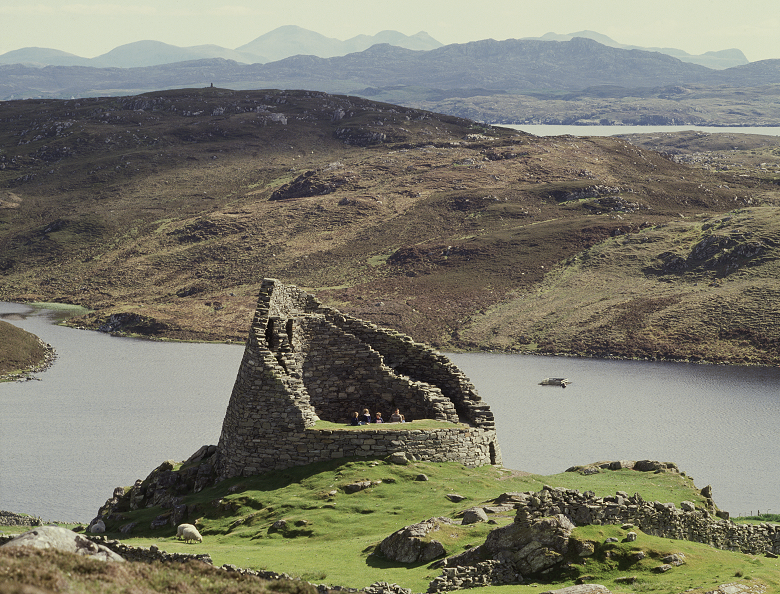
{"points": [[165, 487], [537, 542], [409, 544], [55, 537], [511, 555]]}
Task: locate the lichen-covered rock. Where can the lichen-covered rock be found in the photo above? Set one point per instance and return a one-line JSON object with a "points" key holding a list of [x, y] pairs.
{"points": [[54, 537], [523, 549], [408, 545], [474, 516]]}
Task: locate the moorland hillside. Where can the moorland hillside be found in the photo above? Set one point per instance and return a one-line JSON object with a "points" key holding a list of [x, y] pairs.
{"points": [[163, 212]]}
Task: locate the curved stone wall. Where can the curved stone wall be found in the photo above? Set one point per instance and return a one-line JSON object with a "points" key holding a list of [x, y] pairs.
{"points": [[304, 362]]}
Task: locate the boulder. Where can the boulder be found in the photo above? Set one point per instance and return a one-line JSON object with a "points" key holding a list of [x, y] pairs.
{"points": [[527, 549], [398, 458], [357, 486], [97, 527], [454, 497], [474, 516], [62, 539], [408, 545]]}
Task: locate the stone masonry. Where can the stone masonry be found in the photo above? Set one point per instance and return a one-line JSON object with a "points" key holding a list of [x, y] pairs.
{"points": [[304, 362]]}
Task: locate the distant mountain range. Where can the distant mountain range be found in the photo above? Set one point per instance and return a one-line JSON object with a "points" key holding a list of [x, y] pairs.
{"points": [[511, 66], [278, 44], [291, 40], [717, 60]]}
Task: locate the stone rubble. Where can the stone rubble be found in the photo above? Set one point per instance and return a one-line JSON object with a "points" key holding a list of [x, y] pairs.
{"points": [[537, 542]]}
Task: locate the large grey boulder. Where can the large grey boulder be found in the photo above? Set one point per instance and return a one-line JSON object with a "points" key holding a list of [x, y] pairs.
{"points": [[408, 545], [526, 548], [474, 516], [62, 539]]}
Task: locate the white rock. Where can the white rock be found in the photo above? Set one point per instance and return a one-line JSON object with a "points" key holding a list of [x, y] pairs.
{"points": [[62, 539]]}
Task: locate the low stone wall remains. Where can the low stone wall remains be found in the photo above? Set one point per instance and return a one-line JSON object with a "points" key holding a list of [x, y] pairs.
{"points": [[658, 519], [504, 558], [12, 519]]}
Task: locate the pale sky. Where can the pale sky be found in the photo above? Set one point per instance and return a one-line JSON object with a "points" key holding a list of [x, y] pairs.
{"points": [[89, 28]]}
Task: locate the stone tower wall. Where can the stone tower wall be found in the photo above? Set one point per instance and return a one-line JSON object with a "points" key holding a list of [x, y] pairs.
{"points": [[421, 363], [302, 362], [344, 375]]}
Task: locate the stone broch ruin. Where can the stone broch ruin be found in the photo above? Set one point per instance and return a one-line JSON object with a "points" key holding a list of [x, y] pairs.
{"points": [[305, 362]]}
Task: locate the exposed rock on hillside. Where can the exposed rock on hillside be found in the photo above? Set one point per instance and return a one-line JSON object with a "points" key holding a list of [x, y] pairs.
{"points": [[411, 545], [54, 537], [165, 211]]}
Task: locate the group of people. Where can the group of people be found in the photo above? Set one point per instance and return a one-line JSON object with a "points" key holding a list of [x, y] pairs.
{"points": [[365, 418]]}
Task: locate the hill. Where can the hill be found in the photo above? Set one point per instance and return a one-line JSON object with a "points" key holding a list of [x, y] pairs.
{"points": [[163, 212], [511, 81], [20, 351], [290, 40], [335, 532], [278, 44], [713, 59]]}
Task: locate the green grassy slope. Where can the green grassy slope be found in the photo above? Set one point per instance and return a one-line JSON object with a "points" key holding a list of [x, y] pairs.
{"points": [[330, 536]]}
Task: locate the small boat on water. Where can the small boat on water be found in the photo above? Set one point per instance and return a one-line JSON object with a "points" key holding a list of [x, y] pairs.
{"points": [[554, 381]]}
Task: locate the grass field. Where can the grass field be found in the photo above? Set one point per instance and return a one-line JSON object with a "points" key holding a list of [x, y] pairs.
{"points": [[330, 536]]}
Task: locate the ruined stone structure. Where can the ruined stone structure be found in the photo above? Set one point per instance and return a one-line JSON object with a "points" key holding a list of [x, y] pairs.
{"points": [[305, 362], [538, 539]]}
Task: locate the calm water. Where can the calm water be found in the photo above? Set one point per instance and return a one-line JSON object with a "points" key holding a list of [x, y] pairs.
{"points": [[112, 409], [540, 130], [719, 424], [108, 412]]}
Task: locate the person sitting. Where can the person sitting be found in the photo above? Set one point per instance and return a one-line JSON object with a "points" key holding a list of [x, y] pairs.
{"points": [[365, 418], [396, 417], [355, 419], [378, 418]]}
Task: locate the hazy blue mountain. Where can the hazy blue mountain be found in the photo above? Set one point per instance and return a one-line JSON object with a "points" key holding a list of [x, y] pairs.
{"points": [[42, 56], [717, 60], [512, 66], [419, 41], [153, 53], [291, 40]]}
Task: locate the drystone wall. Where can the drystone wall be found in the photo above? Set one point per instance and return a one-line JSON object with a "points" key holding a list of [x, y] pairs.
{"points": [[304, 362], [12, 519], [518, 552], [658, 519]]}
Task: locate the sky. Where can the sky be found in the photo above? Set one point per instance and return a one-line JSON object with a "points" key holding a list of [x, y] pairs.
{"points": [[89, 28]]}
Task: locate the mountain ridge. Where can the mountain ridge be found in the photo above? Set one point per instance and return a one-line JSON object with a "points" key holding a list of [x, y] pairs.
{"points": [[510, 65], [277, 44], [717, 59], [289, 40]]}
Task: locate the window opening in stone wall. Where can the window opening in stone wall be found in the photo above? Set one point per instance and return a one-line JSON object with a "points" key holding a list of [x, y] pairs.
{"points": [[492, 450], [289, 328]]}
